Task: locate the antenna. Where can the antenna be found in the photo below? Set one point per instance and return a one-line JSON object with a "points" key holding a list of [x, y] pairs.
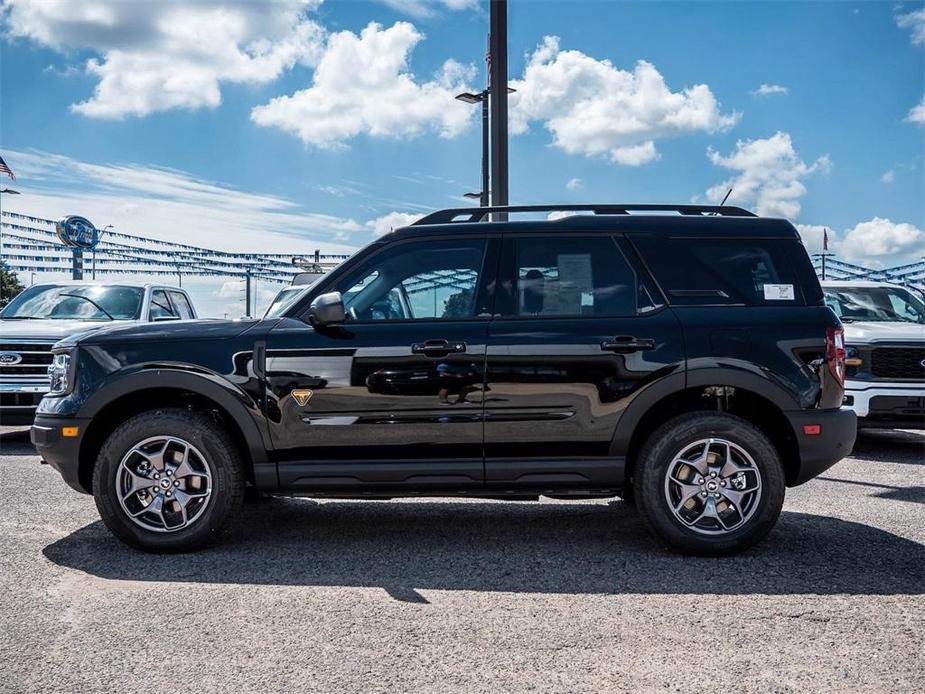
{"points": [[728, 193]]}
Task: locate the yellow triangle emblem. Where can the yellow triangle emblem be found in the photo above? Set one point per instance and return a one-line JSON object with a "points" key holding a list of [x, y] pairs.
{"points": [[302, 396]]}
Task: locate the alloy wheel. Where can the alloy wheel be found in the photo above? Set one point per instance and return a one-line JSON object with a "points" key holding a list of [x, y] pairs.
{"points": [[164, 484], [713, 486]]}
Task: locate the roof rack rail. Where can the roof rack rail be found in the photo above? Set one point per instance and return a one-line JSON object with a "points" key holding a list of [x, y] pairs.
{"points": [[478, 214]]}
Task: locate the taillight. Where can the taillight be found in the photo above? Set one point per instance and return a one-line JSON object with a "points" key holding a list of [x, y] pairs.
{"points": [[835, 353]]}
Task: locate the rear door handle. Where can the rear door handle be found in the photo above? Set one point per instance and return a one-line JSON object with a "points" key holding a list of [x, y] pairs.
{"points": [[625, 344], [437, 348]]}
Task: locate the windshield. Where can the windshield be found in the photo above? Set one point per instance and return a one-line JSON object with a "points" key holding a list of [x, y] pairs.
{"points": [[285, 300], [877, 304], [75, 302]]}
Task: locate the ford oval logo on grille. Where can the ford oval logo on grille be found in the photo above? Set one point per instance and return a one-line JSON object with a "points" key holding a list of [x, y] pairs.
{"points": [[10, 358]]}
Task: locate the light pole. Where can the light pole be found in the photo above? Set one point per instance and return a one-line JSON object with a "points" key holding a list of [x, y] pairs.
{"points": [[481, 98], [8, 191]]}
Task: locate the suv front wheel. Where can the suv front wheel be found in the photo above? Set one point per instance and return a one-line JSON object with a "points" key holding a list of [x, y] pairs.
{"points": [[168, 481], [709, 484]]}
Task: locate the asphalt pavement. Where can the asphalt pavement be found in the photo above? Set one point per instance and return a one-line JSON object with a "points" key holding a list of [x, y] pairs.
{"points": [[470, 596]]}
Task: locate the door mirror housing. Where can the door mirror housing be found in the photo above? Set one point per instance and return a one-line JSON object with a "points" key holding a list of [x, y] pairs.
{"points": [[327, 309]]}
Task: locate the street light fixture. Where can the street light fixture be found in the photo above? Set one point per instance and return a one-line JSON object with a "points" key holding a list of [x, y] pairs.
{"points": [[481, 98]]}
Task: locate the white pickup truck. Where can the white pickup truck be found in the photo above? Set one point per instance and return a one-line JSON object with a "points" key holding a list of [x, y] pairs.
{"points": [[44, 313], [885, 352]]}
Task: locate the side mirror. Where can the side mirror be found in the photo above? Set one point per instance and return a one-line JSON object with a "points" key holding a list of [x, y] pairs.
{"points": [[327, 309]]}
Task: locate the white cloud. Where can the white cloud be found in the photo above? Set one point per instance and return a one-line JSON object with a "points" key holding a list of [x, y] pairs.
{"points": [[170, 204], [888, 176], [915, 22], [769, 175], [363, 85], [882, 243], [593, 108], [770, 89], [575, 184], [393, 220], [169, 54], [917, 113], [877, 243], [423, 9]]}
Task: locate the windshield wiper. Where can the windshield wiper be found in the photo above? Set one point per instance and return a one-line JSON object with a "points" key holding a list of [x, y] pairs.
{"points": [[87, 298], [20, 318]]}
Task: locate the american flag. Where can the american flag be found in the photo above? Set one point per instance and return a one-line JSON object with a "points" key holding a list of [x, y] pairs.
{"points": [[6, 169]]}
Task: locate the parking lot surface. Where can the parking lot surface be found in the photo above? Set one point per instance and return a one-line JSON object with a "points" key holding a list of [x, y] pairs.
{"points": [[467, 596]]}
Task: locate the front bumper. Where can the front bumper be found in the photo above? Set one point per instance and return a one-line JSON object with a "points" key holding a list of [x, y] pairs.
{"points": [[61, 452], [19, 401], [818, 452], [887, 404]]}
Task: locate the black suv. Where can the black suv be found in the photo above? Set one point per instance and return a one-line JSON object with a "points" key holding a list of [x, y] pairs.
{"points": [[678, 356]]}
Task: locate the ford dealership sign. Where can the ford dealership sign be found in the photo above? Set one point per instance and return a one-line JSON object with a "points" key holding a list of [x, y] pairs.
{"points": [[77, 232]]}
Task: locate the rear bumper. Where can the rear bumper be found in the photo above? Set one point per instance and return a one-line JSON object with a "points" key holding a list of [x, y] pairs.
{"points": [[819, 452], [62, 453]]}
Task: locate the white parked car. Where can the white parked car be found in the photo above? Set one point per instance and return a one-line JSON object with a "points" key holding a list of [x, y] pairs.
{"points": [[44, 313], [885, 350]]}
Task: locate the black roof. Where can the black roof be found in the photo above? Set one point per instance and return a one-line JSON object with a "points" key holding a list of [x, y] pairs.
{"points": [[694, 220]]}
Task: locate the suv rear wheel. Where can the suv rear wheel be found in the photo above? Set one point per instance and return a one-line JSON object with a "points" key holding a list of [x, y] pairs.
{"points": [[168, 481], [709, 484]]}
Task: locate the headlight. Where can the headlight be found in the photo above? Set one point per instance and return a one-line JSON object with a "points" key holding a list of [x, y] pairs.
{"points": [[60, 375]]}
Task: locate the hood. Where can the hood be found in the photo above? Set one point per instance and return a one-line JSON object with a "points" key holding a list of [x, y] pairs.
{"points": [[165, 331], [881, 331], [50, 330]]}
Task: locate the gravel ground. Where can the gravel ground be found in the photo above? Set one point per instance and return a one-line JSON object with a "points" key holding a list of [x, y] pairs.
{"points": [[453, 596]]}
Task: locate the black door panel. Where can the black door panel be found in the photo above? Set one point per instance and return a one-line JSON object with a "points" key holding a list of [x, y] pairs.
{"points": [[391, 398], [580, 334]]}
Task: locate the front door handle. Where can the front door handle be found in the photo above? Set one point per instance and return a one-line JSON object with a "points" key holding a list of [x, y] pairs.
{"points": [[625, 344], [437, 348]]}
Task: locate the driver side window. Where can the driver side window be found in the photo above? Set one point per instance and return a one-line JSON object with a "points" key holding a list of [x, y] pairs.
{"points": [[416, 281]]}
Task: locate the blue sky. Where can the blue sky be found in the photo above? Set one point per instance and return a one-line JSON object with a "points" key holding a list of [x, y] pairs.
{"points": [[144, 110]]}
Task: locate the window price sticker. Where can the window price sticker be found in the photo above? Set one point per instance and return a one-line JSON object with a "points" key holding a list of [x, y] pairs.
{"points": [[778, 292]]}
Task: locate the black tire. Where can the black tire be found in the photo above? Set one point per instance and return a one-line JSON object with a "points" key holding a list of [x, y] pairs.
{"points": [[221, 456], [669, 440]]}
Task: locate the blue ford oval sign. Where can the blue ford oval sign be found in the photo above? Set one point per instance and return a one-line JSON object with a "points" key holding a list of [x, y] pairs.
{"points": [[77, 232]]}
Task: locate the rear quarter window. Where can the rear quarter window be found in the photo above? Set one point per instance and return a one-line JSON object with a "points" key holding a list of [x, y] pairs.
{"points": [[699, 271]]}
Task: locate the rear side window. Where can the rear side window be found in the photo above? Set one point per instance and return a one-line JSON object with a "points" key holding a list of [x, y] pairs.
{"points": [[160, 305], [695, 272], [567, 276]]}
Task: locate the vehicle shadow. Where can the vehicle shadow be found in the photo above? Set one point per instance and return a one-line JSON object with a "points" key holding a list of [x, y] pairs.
{"points": [[15, 441], [905, 447], [483, 546]]}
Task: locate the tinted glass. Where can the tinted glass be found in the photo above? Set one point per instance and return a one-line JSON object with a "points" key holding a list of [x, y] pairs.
{"points": [[717, 271], [413, 281], [182, 304], [160, 306], [76, 302], [567, 276]]}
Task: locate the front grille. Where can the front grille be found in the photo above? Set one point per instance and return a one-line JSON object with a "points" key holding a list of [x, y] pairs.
{"points": [[35, 359], [19, 400], [900, 363]]}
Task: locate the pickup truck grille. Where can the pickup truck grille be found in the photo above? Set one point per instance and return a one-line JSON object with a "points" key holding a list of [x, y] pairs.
{"points": [[33, 364], [899, 363]]}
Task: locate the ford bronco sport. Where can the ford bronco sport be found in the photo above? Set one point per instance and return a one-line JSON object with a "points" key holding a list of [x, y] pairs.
{"points": [[679, 356]]}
